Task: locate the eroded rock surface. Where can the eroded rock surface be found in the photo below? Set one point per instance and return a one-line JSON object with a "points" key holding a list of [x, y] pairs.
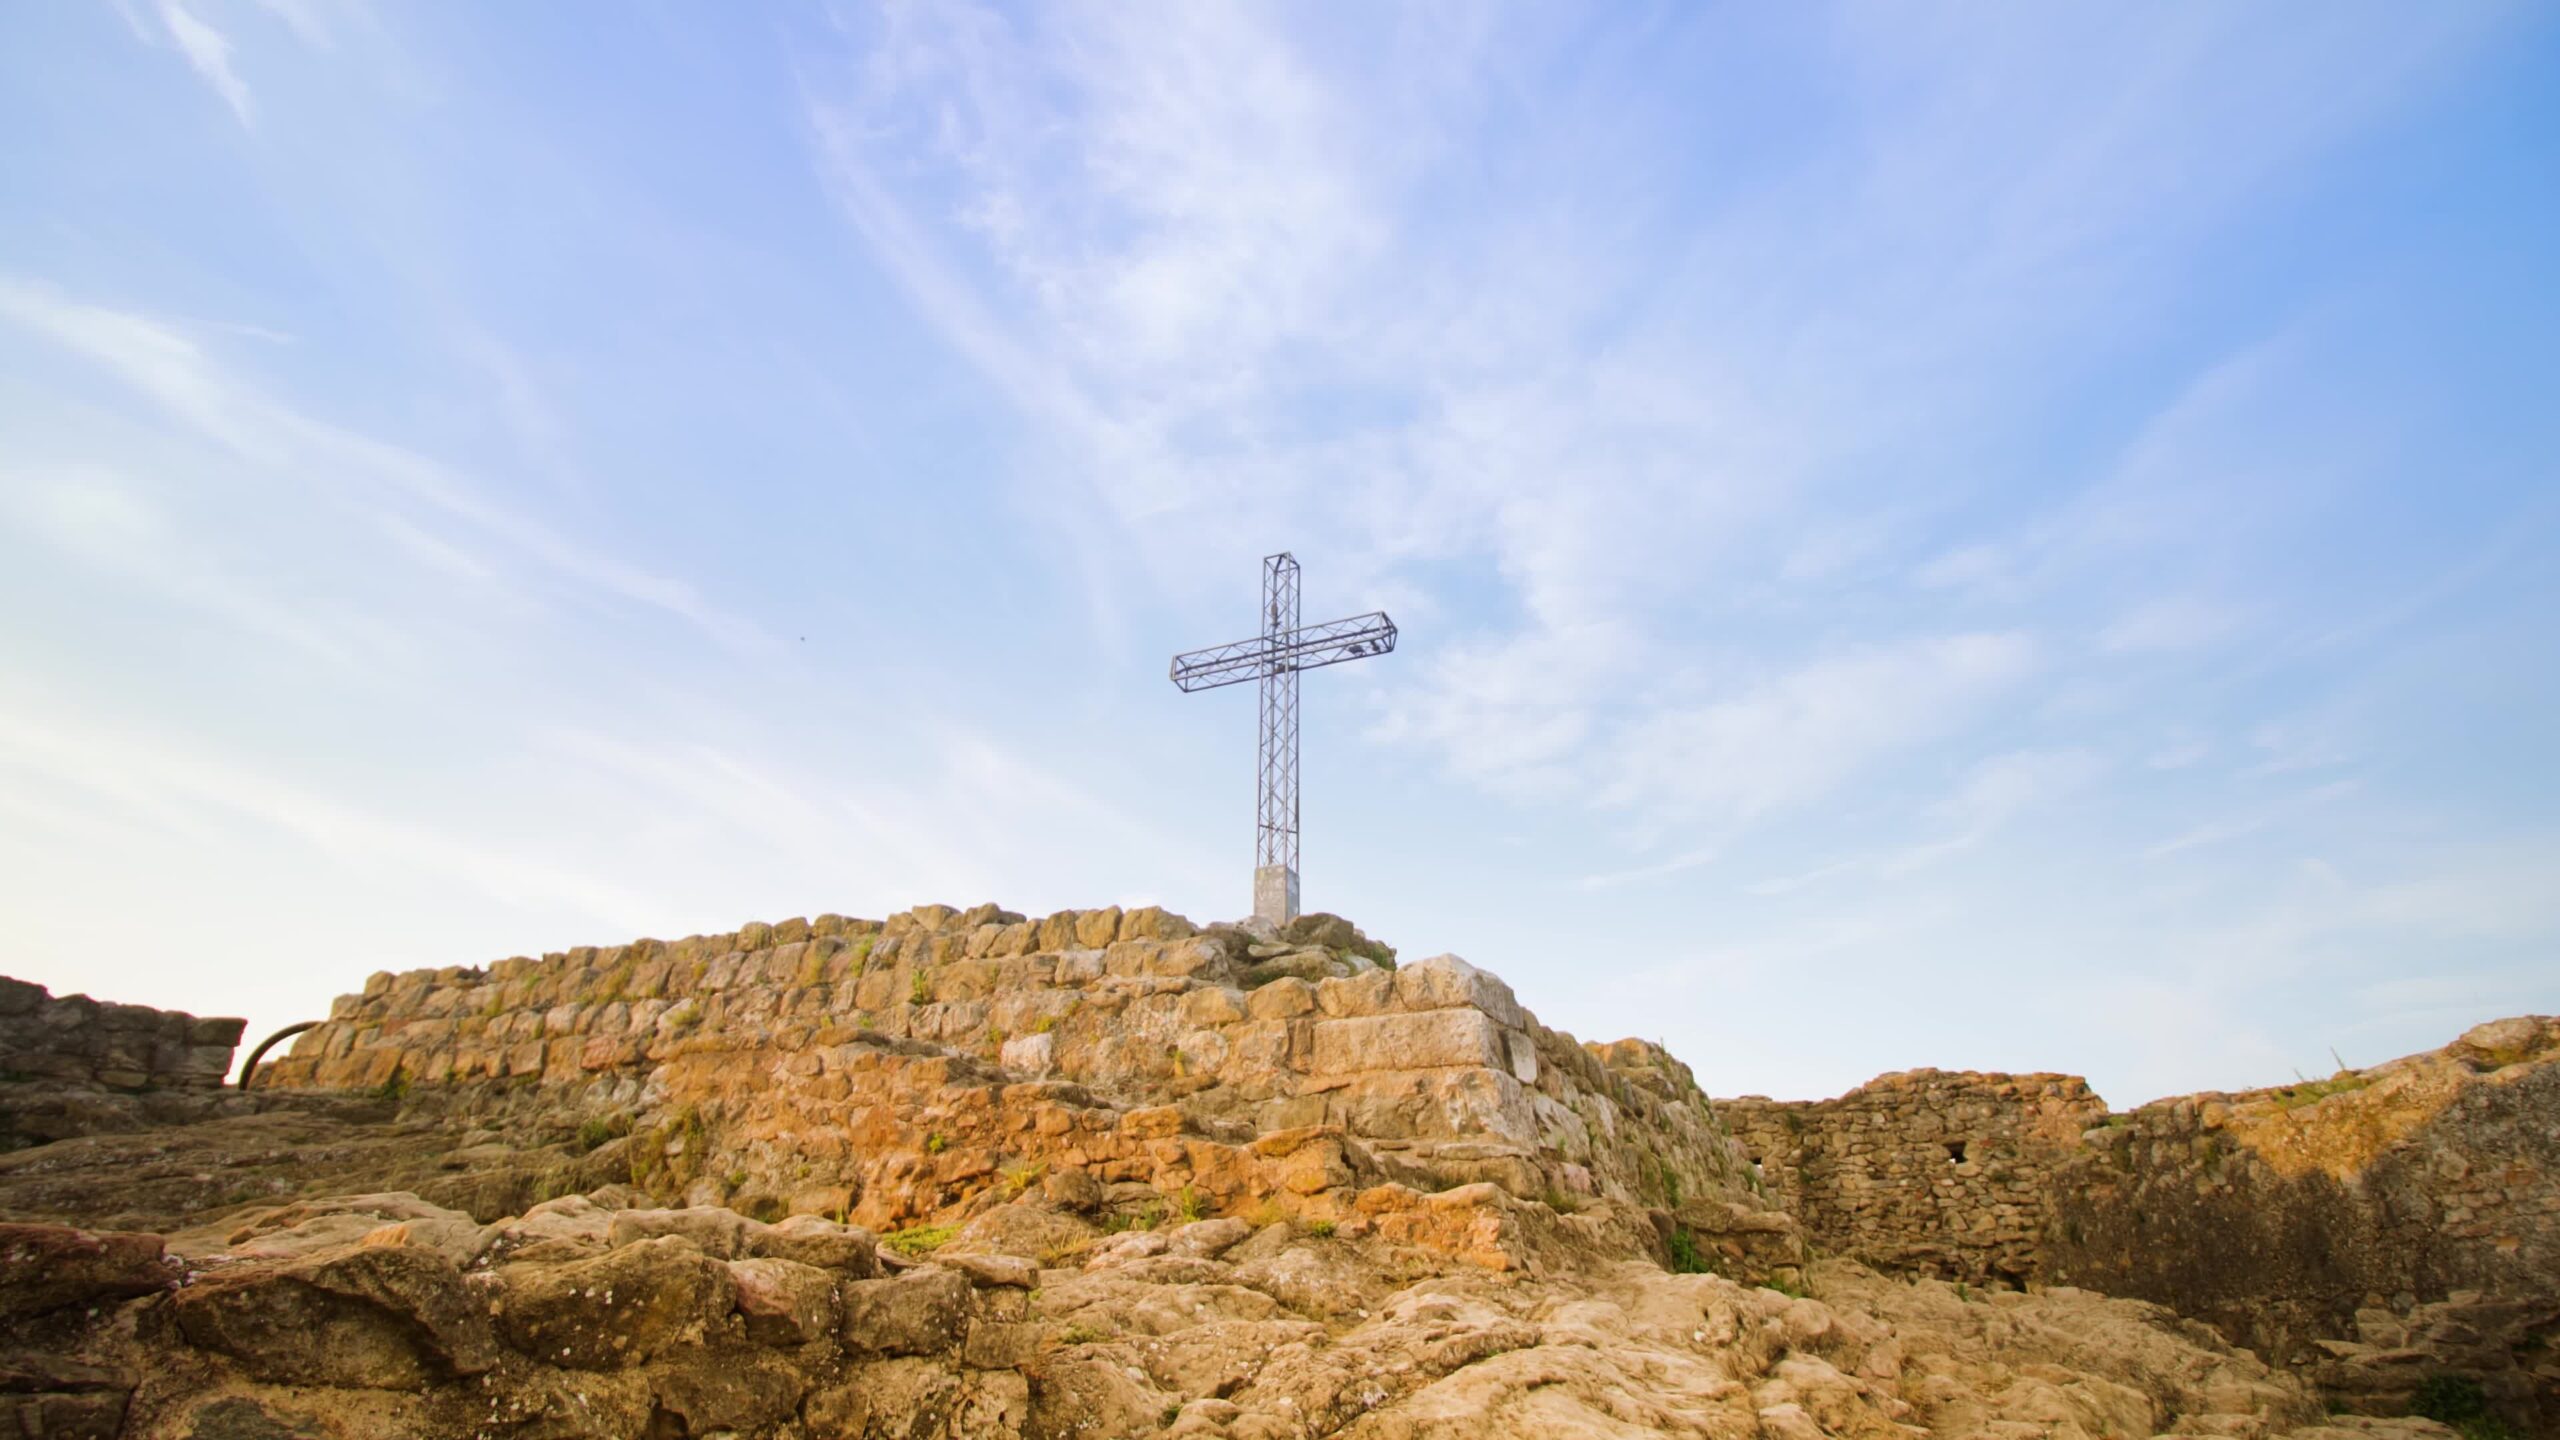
{"points": [[965, 1173], [1222, 1327]]}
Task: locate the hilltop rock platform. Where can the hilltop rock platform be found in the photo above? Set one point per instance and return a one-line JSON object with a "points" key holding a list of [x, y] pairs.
{"points": [[1108, 1173]]}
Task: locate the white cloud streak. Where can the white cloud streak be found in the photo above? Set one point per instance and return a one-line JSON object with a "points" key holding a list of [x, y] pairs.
{"points": [[191, 387], [208, 53]]}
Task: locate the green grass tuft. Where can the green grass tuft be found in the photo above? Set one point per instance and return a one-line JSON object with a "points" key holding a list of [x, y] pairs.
{"points": [[919, 1240]]}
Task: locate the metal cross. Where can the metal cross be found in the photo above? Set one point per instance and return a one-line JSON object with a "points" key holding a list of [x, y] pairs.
{"points": [[1275, 657]]}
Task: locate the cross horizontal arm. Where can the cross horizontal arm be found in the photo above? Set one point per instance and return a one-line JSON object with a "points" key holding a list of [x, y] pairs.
{"points": [[1307, 648]]}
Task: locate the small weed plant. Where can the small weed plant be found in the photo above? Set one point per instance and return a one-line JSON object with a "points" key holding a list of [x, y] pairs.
{"points": [[919, 1240]]}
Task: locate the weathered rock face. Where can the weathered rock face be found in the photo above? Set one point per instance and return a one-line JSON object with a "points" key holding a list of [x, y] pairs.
{"points": [[75, 1066], [970, 1174], [1948, 1174], [121, 1047], [635, 1325], [2381, 1227], [894, 1071], [2376, 1230]]}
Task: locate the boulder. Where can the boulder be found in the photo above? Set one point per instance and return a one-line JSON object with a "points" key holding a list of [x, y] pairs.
{"points": [[923, 1312], [394, 1319], [720, 1233], [309, 1227], [1207, 1239], [1444, 981], [815, 1240], [994, 1271], [61, 1398], [1153, 922], [54, 1267], [724, 1395], [618, 1309], [1320, 928], [784, 1302], [1432, 1039]]}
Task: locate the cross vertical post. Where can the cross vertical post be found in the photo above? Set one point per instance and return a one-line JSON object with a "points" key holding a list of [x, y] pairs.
{"points": [[1275, 837], [1275, 658]]}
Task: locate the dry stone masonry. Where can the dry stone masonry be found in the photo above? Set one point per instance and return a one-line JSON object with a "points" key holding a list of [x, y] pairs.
{"points": [[118, 1047], [890, 1070], [2377, 1229], [1107, 1173], [70, 1065], [1943, 1173]]}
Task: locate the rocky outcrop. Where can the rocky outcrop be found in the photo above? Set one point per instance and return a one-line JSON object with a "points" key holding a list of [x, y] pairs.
{"points": [[586, 1320], [44, 1036], [2377, 1231], [1108, 1173], [2381, 1228], [896, 1071], [70, 1065], [1947, 1174]]}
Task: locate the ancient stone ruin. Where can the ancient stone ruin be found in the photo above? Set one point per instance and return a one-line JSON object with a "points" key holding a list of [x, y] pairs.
{"points": [[1106, 1173]]}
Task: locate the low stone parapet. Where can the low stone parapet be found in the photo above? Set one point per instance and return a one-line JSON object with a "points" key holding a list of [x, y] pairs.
{"points": [[72, 1038]]}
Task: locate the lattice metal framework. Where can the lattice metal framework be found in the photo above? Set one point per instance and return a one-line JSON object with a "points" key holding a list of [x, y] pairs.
{"points": [[1275, 657]]}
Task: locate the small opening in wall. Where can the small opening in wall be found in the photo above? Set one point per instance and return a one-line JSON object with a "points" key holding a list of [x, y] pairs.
{"points": [[1955, 1152]]}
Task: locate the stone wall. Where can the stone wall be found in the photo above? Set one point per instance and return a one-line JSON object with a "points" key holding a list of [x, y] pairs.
{"points": [[74, 1039], [1940, 1173], [2376, 1228], [2372, 1230], [918, 1064]]}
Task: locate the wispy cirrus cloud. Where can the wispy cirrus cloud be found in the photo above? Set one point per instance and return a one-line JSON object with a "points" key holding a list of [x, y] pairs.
{"points": [[208, 53], [194, 387], [1795, 737], [1173, 243]]}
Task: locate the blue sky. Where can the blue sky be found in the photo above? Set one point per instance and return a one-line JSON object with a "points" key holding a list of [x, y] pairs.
{"points": [[1994, 537]]}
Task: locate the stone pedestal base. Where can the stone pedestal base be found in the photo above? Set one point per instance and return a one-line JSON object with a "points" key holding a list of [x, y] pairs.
{"points": [[1275, 894]]}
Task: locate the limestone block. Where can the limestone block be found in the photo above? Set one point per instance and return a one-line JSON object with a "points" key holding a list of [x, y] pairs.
{"points": [[1213, 1005], [1280, 1000], [816, 1241], [1369, 994], [1524, 1056], [1058, 932], [1153, 922], [1427, 1040], [1321, 928], [52, 1267], [1191, 958], [1446, 980], [1156, 1122], [1258, 1055], [1096, 929], [923, 1312], [393, 1318], [1202, 1051], [1126, 958], [1031, 1054], [1453, 1104], [784, 1302], [618, 1309], [222, 1032], [714, 1231], [1308, 965]]}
